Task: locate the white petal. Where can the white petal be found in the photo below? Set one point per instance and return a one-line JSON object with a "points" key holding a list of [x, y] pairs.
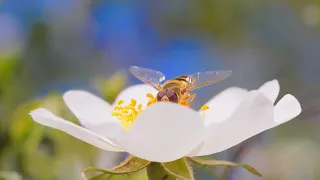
{"points": [[271, 90], [164, 132], [253, 115], [137, 92], [45, 117], [224, 104], [91, 110], [286, 109]]}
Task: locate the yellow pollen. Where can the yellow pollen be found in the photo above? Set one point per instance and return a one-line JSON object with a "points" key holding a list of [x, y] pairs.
{"points": [[127, 113], [120, 102], [115, 114], [133, 102], [149, 95], [203, 109], [152, 99], [132, 109]]}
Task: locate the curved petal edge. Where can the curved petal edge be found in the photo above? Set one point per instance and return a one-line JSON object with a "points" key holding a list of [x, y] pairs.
{"points": [[271, 90], [47, 118], [90, 109], [286, 109], [253, 116]]}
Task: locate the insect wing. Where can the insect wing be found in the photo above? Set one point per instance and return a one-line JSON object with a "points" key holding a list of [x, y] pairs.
{"points": [[149, 76], [206, 78]]}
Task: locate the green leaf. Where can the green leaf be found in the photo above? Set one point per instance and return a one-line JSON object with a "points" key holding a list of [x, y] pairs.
{"points": [[207, 168], [8, 66], [4, 175], [213, 162], [179, 168], [111, 87], [140, 175], [130, 165], [21, 123], [156, 171]]}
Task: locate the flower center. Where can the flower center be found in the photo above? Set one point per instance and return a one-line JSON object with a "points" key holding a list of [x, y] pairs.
{"points": [[127, 114]]}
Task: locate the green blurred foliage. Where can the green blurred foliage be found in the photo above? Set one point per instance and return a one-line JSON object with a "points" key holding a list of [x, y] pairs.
{"points": [[29, 149], [9, 176], [224, 20], [110, 88], [8, 67], [43, 153]]}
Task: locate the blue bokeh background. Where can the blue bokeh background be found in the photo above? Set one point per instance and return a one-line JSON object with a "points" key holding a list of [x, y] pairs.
{"points": [[55, 45]]}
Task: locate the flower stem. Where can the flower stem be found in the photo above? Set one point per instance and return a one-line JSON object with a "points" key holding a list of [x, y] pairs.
{"points": [[156, 172], [207, 168]]}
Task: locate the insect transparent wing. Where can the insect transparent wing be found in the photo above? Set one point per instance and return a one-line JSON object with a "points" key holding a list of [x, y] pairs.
{"points": [[206, 78], [149, 76]]}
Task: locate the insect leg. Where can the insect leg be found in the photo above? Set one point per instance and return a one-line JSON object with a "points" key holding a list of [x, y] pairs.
{"points": [[184, 100], [191, 98]]}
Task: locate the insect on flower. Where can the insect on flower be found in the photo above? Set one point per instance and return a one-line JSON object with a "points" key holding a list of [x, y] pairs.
{"points": [[178, 89], [135, 125]]}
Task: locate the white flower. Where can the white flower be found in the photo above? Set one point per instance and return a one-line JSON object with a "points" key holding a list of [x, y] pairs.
{"points": [[166, 131]]}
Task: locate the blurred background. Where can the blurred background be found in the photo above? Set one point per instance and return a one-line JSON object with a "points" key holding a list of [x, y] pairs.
{"points": [[50, 46]]}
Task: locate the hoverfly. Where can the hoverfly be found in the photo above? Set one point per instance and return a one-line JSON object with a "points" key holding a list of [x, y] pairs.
{"points": [[178, 89]]}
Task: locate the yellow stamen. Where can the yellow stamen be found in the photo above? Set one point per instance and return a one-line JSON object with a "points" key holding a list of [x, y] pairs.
{"points": [[152, 99], [150, 102], [133, 109], [115, 114], [128, 113], [149, 95], [120, 102], [133, 102], [203, 109]]}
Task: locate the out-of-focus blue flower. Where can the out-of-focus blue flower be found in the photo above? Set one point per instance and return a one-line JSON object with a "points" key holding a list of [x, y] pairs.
{"points": [[61, 7], [118, 30], [28, 12], [127, 38], [22, 10], [10, 37], [116, 21], [182, 56]]}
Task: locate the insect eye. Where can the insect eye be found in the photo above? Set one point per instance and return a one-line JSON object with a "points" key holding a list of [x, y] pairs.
{"points": [[173, 97], [161, 94], [168, 95]]}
